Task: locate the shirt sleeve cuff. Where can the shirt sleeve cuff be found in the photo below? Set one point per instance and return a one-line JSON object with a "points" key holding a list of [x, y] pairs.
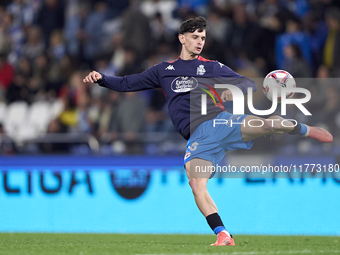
{"points": [[101, 81]]}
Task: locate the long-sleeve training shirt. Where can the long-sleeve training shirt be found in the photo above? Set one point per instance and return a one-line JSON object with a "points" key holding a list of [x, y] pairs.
{"points": [[183, 83]]}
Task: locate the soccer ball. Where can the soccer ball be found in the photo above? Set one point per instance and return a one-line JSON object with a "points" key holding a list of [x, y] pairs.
{"points": [[278, 79]]}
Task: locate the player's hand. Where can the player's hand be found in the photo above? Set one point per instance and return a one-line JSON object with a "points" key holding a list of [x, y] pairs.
{"points": [[227, 96], [92, 77]]}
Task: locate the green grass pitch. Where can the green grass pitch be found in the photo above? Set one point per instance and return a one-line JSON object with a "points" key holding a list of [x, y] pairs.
{"points": [[97, 244]]}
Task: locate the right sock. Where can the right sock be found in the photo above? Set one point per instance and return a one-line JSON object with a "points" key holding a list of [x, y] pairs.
{"points": [[215, 223]]}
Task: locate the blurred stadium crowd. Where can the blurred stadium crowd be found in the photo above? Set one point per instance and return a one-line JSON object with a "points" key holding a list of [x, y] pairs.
{"points": [[47, 47]]}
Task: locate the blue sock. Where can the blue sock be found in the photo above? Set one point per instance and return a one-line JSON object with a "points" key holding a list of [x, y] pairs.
{"points": [[219, 229], [303, 130]]}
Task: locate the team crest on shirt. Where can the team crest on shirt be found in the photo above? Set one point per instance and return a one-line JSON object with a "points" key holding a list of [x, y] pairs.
{"points": [[200, 70], [184, 84]]}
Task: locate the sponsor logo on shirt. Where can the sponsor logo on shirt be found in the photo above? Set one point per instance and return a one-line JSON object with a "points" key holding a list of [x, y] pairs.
{"points": [[184, 84]]}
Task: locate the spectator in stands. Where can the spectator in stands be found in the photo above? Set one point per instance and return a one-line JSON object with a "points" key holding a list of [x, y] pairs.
{"points": [[295, 63], [331, 57], [298, 7], [35, 44], [75, 34], [5, 23], [93, 31], [239, 35], [6, 74], [69, 116], [132, 125], [293, 35], [23, 88], [50, 17], [136, 32], [7, 146], [12, 37], [57, 48], [316, 31]]}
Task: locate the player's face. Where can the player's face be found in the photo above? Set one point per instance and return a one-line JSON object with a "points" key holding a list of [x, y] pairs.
{"points": [[193, 42]]}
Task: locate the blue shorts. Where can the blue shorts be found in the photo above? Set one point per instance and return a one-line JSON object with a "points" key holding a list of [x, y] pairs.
{"points": [[211, 143]]}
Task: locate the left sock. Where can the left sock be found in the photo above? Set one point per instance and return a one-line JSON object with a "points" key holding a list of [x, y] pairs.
{"points": [[215, 223]]}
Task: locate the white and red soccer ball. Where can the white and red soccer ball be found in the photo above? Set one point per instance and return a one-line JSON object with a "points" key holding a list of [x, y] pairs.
{"points": [[278, 79]]}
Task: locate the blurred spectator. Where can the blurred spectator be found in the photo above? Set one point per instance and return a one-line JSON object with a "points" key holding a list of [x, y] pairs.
{"points": [[317, 33], [263, 40], [6, 75], [24, 87], [118, 59], [59, 73], [298, 7], [293, 35], [103, 116], [131, 63], [131, 115], [5, 23], [50, 17], [239, 35], [55, 127], [198, 6], [34, 45], [23, 11], [7, 146], [57, 48], [117, 7], [74, 32], [331, 109], [156, 116], [136, 32], [331, 57], [12, 37], [219, 27], [94, 31], [295, 63], [69, 116]]}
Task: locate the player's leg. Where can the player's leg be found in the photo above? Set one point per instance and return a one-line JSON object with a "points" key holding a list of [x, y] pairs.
{"points": [[198, 179], [198, 175], [256, 127]]}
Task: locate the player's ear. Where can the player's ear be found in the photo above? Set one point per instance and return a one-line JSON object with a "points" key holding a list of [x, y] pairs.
{"points": [[181, 38]]}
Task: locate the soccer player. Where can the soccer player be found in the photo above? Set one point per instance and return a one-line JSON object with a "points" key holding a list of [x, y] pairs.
{"points": [[206, 145]]}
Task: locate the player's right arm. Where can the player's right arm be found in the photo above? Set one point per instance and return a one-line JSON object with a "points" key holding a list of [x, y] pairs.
{"points": [[135, 82]]}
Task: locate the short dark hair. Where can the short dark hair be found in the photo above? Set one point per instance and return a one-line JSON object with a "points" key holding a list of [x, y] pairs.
{"points": [[191, 25]]}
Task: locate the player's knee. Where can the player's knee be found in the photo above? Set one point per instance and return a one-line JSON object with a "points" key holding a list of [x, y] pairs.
{"points": [[197, 185]]}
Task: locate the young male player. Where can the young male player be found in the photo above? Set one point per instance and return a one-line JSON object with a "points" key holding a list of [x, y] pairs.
{"points": [[206, 145]]}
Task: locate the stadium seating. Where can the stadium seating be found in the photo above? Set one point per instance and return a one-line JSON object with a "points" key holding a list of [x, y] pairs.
{"points": [[23, 122]]}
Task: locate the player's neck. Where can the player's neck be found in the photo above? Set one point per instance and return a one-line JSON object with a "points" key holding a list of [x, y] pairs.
{"points": [[187, 56]]}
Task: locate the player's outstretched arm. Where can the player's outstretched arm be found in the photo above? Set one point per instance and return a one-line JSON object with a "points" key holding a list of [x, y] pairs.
{"points": [[92, 77]]}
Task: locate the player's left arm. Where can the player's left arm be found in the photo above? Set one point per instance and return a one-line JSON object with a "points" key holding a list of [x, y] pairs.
{"points": [[222, 71]]}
